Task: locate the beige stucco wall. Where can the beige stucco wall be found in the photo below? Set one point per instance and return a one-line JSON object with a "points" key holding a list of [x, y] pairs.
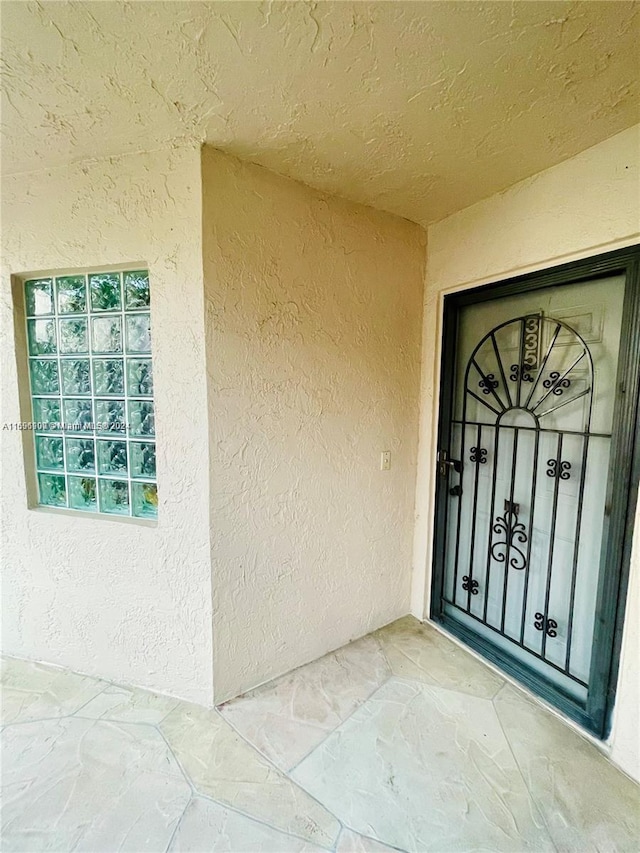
{"points": [[313, 347], [128, 601], [587, 205]]}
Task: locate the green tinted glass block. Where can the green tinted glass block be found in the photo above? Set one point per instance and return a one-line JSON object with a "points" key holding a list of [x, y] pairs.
{"points": [[144, 498], [110, 416], [44, 376], [142, 459], [82, 493], [80, 454], [72, 294], [49, 452], [52, 490], [139, 377], [108, 376], [138, 333], [105, 291], [136, 289], [46, 414], [42, 336], [112, 457], [114, 496], [141, 417], [78, 415], [73, 335], [106, 334], [39, 296], [76, 376]]}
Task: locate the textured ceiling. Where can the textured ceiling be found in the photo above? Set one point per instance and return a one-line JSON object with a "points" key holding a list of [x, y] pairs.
{"points": [[419, 108]]}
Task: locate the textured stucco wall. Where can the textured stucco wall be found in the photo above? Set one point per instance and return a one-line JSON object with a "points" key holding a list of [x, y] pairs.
{"points": [[586, 205], [313, 352], [106, 597]]}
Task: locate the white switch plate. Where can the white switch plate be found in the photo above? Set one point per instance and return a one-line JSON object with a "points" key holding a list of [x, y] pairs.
{"points": [[385, 460]]}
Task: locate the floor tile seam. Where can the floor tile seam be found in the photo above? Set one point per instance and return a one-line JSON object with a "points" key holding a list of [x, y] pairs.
{"points": [[84, 705], [374, 839], [179, 823], [280, 771], [532, 796], [182, 769], [339, 726], [261, 820]]}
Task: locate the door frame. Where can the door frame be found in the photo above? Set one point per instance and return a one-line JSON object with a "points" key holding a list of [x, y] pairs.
{"points": [[621, 496]]}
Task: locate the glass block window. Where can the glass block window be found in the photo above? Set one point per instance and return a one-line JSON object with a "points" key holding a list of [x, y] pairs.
{"points": [[89, 343]]}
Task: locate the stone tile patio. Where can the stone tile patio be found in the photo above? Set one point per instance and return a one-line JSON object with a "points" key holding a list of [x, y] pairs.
{"points": [[399, 741]]}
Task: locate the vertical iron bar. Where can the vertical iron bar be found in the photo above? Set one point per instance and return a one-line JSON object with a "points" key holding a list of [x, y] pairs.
{"points": [[576, 548], [552, 536], [459, 519], [493, 504], [520, 359], [514, 459], [501, 368], [473, 517], [531, 512]]}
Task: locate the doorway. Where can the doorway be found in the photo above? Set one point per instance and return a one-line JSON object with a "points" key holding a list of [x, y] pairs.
{"points": [[538, 474]]}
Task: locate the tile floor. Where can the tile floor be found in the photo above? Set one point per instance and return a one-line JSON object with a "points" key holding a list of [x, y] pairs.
{"points": [[399, 741]]}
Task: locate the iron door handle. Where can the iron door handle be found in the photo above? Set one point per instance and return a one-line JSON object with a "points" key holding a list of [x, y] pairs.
{"points": [[445, 464]]}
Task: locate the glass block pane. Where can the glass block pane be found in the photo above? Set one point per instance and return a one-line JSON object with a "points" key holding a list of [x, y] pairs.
{"points": [[72, 294], [110, 416], [112, 457], [138, 333], [145, 500], [46, 415], [76, 376], [42, 336], [80, 454], [141, 417], [106, 334], [105, 291], [73, 335], [136, 289], [49, 452], [78, 415], [44, 376], [39, 296], [139, 377], [52, 490], [114, 496], [142, 459], [108, 376], [82, 493]]}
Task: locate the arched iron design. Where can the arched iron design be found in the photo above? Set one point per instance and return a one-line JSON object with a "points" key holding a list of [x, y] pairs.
{"points": [[535, 381]]}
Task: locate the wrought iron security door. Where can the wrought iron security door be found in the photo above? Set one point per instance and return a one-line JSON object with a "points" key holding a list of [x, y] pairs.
{"points": [[524, 468]]}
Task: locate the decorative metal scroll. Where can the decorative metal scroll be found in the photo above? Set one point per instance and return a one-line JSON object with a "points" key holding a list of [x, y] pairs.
{"points": [[519, 373], [470, 584], [556, 383], [549, 626], [555, 470], [513, 531], [488, 383], [478, 455]]}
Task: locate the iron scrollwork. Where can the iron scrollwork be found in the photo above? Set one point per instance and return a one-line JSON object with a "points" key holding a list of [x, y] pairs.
{"points": [[516, 373], [555, 470], [542, 623], [554, 382], [488, 383], [514, 531], [478, 454], [470, 584]]}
